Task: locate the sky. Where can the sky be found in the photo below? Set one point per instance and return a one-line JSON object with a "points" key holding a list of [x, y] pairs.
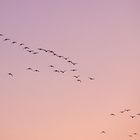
{"points": [[102, 37]]}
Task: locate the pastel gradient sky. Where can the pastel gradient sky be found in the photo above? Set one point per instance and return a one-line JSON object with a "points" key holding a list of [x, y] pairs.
{"points": [[103, 37]]}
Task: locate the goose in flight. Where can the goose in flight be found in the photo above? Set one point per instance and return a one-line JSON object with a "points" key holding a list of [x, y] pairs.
{"points": [[29, 69], [79, 80], [73, 70], [91, 78], [1, 34], [62, 71], [51, 66], [76, 76], [10, 74], [36, 70], [127, 110], [103, 132], [14, 42], [21, 44], [135, 133], [35, 52], [112, 114], [138, 114], [132, 117], [6, 39], [130, 136], [122, 111], [25, 48], [56, 71]]}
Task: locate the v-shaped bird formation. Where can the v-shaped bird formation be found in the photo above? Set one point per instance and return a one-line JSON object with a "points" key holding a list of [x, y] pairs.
{"points": [[47, 52]]}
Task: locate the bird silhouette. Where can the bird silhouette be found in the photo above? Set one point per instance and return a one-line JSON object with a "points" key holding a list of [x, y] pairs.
{"points": [[14, 42], [112, 114], [76, 76], [103, 132], [1, 34], [79, 80], [135, 133], [62, 71], [132, 116], [29, 69], [91, 78], [10, 74], [56, 71], [35, 52], [6, 39], [21, 44], [122, 111], [73, 70], [138, 114], [127, 110], [36, 70], [26, 48]]}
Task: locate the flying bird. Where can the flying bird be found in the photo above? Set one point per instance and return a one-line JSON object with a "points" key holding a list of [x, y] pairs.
{"points": [[127, 110], [130, 136], [14, 42], [138, 114], [76, 76], [132, 117], [103, 132], [135, 133], [56, 71], [91, 78], [1, 34], [6, 39], [112, 114], [62, 71], [35, 52], [36, 70], [10, 74], [51, 66], [21, 44], [79, 80], [73, 69], [26, 48], [29, 69], [122, 111]]}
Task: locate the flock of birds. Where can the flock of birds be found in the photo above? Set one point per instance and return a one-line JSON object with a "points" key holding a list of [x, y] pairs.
{"points": [[131, 116], [77, 77], [48, 51]]}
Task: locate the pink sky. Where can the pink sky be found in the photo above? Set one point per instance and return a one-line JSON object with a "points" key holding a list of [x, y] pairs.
{"points": [[102, 37]]}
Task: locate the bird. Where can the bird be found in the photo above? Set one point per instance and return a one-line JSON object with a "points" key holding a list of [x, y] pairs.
{"points": [[51, 66], [36, 70], [56, 71], [6, 39], [35, 52], [79, 80], [135, 133], [65, 58], [26, 48], [132, 116], [91, 78], [73, 70], [103, 132], [76, 76], [30, 51], [21, 44], [73, 63], [112, 114], [10, 74], [40, 49], [127, 110], [62, 71], [130, 136], [29, 68], [1, 34], [138, 114], [14, 42], [122, 111]]}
